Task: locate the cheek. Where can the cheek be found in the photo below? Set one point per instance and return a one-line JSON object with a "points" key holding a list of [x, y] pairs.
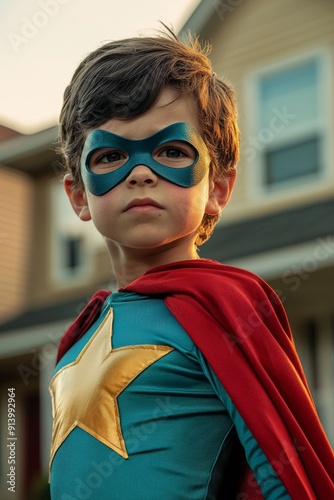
{"points": [[200, 195], [192, 203], [101, 210]]}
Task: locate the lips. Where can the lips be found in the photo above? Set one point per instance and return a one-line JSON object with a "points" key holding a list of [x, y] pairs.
{"points": [[142, 202]]}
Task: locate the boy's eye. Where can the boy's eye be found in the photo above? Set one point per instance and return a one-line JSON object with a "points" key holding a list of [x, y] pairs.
{"points": [[112, 156], [178, 154], [99, 161], [173, 153]]}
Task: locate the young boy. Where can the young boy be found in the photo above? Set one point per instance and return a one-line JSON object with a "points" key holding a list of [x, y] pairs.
{"points": [[185, 383]]}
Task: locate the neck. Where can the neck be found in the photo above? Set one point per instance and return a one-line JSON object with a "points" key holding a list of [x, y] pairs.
{"points": [[130, 264]]}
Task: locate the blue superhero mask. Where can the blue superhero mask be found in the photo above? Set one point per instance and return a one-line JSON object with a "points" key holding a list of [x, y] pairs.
{"points": [[140, 152]]}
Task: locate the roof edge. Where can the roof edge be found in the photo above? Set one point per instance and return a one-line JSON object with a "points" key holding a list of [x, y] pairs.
{"points": [[17, 147], [198, 19]]}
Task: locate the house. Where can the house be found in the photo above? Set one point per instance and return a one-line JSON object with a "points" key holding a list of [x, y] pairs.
{"points": [[279, 223], [279, 56]]}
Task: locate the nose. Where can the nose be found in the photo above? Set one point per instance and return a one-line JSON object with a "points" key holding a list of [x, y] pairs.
{"points": [[141, 175]]}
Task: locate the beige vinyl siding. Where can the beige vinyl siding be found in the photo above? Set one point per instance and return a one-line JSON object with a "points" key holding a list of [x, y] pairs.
{"points": [[15, 230], [257, 34], [45, 289]]}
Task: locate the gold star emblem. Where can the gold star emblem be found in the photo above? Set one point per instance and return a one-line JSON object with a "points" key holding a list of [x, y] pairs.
{"points": [[84, 393]]}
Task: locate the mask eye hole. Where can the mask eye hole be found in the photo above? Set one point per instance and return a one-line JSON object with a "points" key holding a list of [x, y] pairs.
{"points": [[106, 159], [176, 154]]}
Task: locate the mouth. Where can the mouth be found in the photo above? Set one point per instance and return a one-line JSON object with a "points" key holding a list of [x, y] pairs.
{"points": [[142, 204]]}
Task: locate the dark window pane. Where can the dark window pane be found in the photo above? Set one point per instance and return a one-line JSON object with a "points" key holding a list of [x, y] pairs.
{"points": [[291, 162], [73, 247]]}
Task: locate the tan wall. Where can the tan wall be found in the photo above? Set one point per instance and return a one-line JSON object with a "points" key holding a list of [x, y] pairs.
{"points": [[15, 230], [258, 33], [45, 288]]}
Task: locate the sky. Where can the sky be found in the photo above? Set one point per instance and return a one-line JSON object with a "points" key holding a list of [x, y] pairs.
{"points": [[43, 41]]}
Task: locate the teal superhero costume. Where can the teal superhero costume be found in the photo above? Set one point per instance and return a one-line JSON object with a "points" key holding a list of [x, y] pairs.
{"points": [[179, 438], [253, 373]]}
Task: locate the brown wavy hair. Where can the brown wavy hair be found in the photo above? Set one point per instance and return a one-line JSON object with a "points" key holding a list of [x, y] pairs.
{"points": [[123, 79]]}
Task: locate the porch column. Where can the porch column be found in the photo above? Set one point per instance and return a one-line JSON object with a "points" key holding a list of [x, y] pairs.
{"points": [[325, 363], [48, 353]]}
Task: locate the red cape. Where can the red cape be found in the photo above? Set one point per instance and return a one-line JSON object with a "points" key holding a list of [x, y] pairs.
{"points": [[240, 326]]}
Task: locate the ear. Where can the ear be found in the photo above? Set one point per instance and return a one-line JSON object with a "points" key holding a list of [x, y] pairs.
{"points": [[220, 192], [77, 197]]}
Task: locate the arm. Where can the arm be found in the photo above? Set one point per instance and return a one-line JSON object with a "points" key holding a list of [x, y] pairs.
{"points": [[266, 478]]}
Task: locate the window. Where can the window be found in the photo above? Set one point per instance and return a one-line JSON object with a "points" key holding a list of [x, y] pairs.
{"points": [[292, 161], [289, 125], [73, 241]]}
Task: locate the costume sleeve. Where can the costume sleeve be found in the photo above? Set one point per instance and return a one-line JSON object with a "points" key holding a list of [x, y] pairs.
{"points": [[267, 480]]}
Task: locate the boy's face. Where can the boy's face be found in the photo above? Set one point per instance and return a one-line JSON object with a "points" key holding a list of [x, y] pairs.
{"points": [[145, 212]]}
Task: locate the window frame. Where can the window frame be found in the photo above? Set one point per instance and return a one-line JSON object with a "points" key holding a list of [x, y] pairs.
{"points": [[253, 158], [59, 274]]}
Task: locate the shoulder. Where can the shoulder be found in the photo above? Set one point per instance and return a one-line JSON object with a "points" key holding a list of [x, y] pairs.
{"points": [[224, 286], [226, 276], [204, 279]]}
